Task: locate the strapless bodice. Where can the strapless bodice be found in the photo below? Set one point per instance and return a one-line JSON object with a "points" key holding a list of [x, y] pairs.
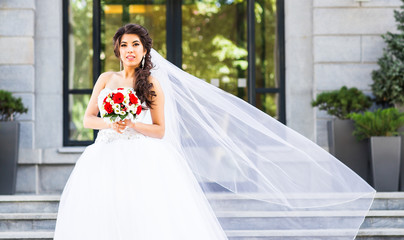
{"points": [[109, 135]]}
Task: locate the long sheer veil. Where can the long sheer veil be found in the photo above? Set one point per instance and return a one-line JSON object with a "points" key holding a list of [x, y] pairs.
{"points": [[230, 144]]}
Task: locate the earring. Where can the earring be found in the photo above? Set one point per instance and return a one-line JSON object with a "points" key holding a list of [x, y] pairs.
{"points": [[142, 65]]}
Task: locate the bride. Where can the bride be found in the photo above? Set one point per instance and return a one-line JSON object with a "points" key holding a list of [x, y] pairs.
{"points": [[147, 179]]}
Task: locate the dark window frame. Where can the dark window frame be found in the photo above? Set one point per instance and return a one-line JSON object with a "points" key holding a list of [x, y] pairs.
{"points": [[174, 55]]}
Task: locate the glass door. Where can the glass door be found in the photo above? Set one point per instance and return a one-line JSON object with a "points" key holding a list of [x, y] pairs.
{"points": [[268, 86], [236, 45], [214, 43], [214, 48], [78, 70]]}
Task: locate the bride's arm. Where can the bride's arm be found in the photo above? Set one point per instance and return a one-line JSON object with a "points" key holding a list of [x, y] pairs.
{"points": [[91, 120], [156, 129]]}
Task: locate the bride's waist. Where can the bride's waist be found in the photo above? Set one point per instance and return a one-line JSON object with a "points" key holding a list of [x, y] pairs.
{"points": [[109, 135]]}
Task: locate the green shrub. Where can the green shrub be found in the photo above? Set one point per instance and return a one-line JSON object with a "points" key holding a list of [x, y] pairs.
{"points": [[379, 123], [341, 103], [388, 80], [10, 106]]}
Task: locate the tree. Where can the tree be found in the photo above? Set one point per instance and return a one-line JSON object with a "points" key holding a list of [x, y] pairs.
{"points": [[388, 80]]}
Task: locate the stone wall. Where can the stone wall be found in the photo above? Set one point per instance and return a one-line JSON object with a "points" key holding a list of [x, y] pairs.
{"points": [[334, 43], [329, 43], [17, 63], [346, 46], [31, 66], [300, 116]]}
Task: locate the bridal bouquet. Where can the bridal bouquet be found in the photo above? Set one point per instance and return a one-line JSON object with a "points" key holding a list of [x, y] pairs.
{"points": [[121, 104]]}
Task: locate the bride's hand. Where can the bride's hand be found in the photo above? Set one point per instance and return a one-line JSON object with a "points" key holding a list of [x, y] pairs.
{"points": [[128, 123], [118, 126]]}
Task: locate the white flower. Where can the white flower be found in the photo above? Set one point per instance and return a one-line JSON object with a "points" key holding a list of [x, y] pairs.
{"points": [[116, 111], [116, 107], [122, 112]]}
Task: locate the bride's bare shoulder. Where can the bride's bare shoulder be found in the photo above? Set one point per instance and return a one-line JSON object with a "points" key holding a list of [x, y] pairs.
{"points": [[108, 75], [105, 77]]}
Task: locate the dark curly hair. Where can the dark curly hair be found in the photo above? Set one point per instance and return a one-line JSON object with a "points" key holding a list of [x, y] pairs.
{"points": [[142, 85]]}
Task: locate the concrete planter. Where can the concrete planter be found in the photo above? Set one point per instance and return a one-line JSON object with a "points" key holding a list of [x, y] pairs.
{"points": [[386, 158], [401, 130], [344, 146], [9, 144]]}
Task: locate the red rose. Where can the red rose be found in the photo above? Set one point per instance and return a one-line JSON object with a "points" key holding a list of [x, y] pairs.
{"points": [[132, 98], [139, 109], [105, 99], [118, 97], [108, 107]]}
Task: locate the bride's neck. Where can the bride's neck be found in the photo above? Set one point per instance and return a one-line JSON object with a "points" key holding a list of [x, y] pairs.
{"points": [[128, 73]]}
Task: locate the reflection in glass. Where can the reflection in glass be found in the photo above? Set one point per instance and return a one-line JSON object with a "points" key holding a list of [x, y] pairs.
{"points": [[81, 44], [153, 17], [268, 103], [265, 44], [78, 104], [215, 43], [118, 13]]}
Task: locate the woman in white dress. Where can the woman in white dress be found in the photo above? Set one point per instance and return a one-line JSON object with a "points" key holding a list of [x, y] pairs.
{"points": [[144, 180]]}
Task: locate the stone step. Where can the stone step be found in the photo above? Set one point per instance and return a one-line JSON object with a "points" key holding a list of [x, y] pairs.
{"points": [[382, 201], [33, 217], [26, 235], [233, 220], [230, 220], [368, 234], [21, 222], [219, 202], [29, 203]]}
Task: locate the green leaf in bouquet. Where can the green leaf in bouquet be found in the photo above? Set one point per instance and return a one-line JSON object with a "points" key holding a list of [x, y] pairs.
{"points": [[123, 116]]}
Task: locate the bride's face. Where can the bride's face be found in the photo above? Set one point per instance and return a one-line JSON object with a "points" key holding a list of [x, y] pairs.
{"points": [[131, 50]]}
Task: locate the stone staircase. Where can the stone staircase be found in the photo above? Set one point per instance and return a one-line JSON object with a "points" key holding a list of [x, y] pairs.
{"points": [[33, 217]]}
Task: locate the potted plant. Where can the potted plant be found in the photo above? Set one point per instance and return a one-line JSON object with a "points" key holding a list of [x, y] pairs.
{"points": [[9, 140], [342, 144], [382, 127], [388, 80]]}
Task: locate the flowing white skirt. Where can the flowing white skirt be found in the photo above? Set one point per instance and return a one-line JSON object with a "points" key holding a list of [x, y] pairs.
{"points": [[136, 189]]}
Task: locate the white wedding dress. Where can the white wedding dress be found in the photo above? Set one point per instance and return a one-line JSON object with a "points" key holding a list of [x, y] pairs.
{"points": [[132, 187]]}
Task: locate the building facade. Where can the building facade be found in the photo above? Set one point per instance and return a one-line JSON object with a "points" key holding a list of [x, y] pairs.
{"points": [[327, 44]]}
